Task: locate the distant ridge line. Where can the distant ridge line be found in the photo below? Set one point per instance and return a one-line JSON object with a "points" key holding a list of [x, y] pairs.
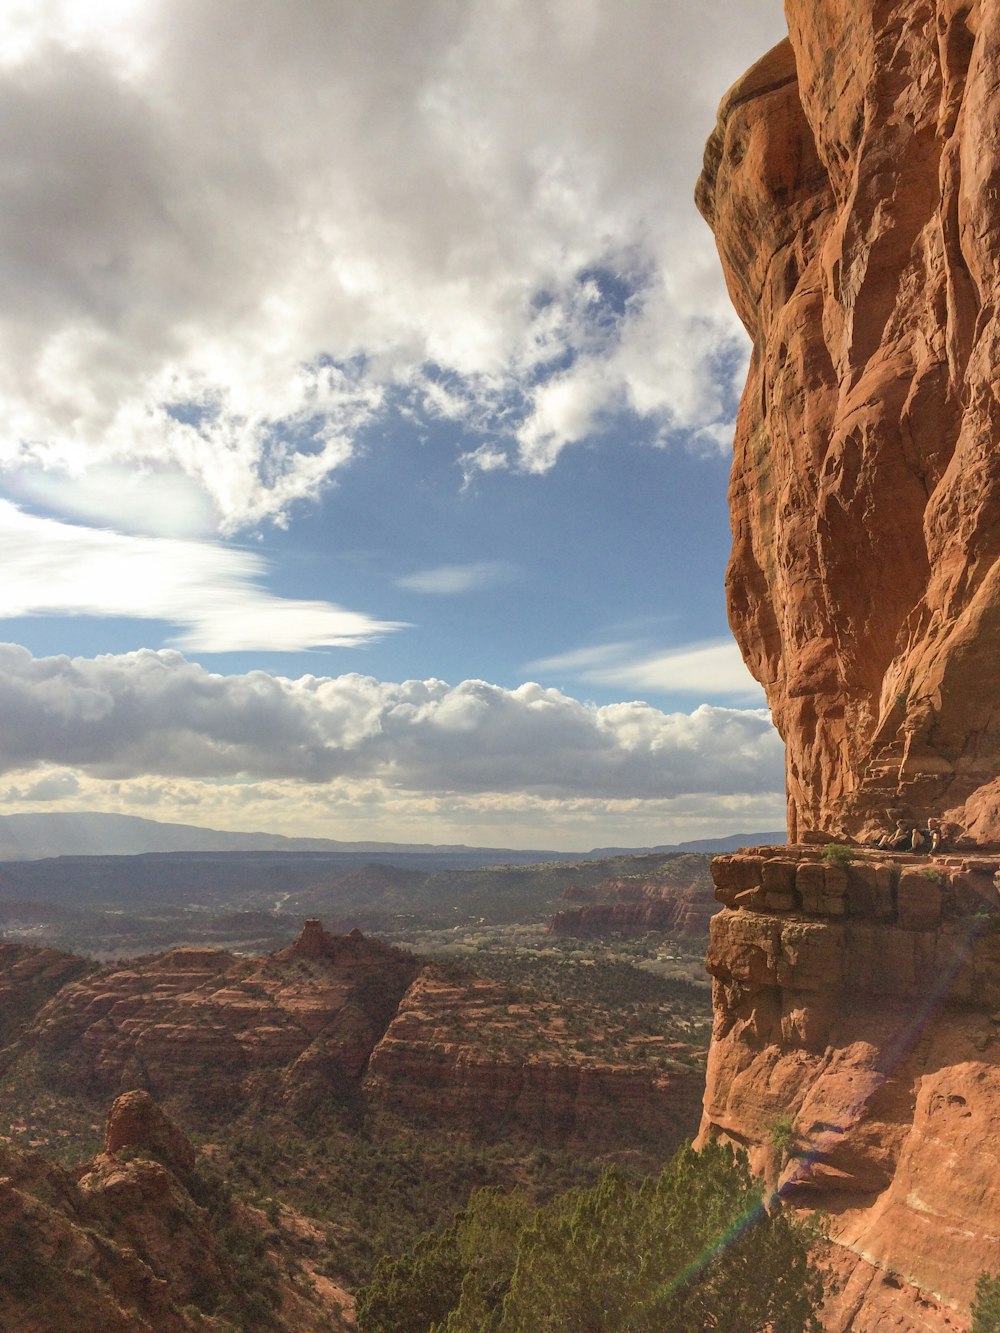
{"points": [[42, 835]]}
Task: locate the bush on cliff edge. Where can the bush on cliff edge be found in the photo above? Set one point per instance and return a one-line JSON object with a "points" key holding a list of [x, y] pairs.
{"points": [[691, 1249]]}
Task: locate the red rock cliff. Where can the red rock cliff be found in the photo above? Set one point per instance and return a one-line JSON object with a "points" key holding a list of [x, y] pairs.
{"points": [[852, 187], [856, 1055]]}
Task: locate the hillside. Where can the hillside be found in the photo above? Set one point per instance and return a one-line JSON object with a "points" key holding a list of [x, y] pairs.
{"points": [[350, 1092]]}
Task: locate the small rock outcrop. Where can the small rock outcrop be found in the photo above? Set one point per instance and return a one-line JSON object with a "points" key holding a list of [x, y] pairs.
{"points": [[851, 185], [123, 1245], [135, 1121]]}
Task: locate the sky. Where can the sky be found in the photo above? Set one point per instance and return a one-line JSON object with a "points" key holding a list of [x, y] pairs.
{"points": [[367, 388]]}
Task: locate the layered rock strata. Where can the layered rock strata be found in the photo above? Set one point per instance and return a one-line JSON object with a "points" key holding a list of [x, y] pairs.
{"points": [[343, 1020], [634, 905], [856, 1054], [496, 1068], [851, 185], [214, 1030]]}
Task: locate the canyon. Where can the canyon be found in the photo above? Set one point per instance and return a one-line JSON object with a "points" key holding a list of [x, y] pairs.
{"points": [[677, 901], [278, 1121], [347, 1019]]}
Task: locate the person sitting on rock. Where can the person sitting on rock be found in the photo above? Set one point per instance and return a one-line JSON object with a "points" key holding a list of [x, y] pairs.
{"points": [[927, 839], [901, 840]]}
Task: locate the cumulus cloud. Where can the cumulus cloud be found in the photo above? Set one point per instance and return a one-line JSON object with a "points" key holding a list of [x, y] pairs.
{"points": [[154, 713], [712, 668], [235, 234], [212, 591]]}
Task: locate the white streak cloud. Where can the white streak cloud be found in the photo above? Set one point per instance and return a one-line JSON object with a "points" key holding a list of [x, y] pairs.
{"points": [[212, 591], [448, 580], [712, 668]]}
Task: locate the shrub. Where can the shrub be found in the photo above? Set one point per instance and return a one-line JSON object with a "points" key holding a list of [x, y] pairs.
{"points": [[986, 1306], [836, 854], [692, 1248], [783, 1136]]}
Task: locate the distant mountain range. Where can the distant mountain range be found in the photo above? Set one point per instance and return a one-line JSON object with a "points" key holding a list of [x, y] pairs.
{"points": [[726, 842], [32, 837]]}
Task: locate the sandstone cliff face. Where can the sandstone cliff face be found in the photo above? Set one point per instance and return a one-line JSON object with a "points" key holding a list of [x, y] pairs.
{"points": [[337, 1021], [635, 905], [856, 1054], [459, 1048], [851, 185], [214, 1030]]}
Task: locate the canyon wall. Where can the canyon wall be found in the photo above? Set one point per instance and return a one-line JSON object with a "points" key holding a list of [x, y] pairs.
{"points": [[856, 1055], [633, 905], [345, 1021], [851, 184]]}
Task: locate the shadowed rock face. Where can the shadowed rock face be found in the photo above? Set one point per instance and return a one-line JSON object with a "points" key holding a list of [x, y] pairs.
{"points": [[851, 186]]}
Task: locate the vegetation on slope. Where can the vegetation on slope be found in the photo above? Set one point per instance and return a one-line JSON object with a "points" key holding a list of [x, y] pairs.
{"points": [[693, 1248]]}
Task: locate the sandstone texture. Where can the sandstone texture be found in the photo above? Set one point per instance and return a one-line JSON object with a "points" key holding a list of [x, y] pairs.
{"points": [[213, 1030], [123, 1244], [461, 1047], [856, 1054], [637, 904], [338, 1023], [851, 186]]}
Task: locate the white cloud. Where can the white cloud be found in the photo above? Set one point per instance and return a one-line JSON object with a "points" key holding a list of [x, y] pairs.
{"points": [[447, 580], [212, 591], [233, 233], [152, 502], [153, 713], [55, 785], [356, 809], [712, 668]]}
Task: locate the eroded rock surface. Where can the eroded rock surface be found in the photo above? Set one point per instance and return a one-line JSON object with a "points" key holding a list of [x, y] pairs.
{"points": [[460, 1048], [856, 1054], [636, 904], [125, 1244], [345, 1021], [851, 185], [213, 1029]]}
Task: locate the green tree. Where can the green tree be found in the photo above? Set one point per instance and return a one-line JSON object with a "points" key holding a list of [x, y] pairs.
{"points": [[986, 1306], [467, 1265], [691, 1249]]}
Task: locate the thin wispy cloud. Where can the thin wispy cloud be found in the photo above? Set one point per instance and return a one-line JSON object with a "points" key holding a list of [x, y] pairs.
{"points": [[713, 668], [212, 593], [450, 580]]}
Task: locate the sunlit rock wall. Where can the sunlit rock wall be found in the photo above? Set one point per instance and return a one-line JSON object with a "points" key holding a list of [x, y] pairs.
{"points": [[853, 184]]}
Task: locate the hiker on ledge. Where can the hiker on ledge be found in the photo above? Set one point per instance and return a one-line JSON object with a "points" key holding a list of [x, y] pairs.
{"points": [[927, 839], [908, 838]]}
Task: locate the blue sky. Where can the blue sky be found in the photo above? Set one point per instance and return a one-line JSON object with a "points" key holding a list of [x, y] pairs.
{"points": [[365, 414]]}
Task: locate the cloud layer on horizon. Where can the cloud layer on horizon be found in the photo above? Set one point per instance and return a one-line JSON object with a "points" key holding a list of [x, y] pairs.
{"points": [[235, 235], [155, 714]]}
